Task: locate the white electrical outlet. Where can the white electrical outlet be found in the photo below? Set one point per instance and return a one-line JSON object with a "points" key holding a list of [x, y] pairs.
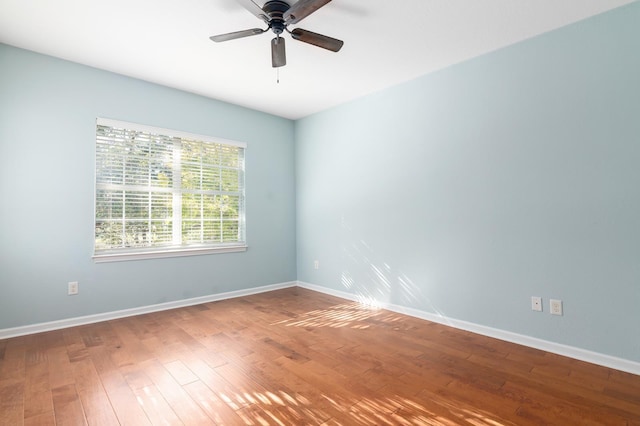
{"points": [[73, 288], [536, 303], [316, 264], [555, 306]]}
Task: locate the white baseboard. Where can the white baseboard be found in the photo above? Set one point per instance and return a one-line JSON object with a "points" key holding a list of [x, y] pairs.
{"points": [[557, 348], [90, 319], [520, 339]]}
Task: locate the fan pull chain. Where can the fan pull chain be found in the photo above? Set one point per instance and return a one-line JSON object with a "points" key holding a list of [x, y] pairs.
{"points": [[278, 75]]}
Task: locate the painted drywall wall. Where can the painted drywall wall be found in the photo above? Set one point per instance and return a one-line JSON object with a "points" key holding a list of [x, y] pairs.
{"points": [[467, 191], [48, 109]]}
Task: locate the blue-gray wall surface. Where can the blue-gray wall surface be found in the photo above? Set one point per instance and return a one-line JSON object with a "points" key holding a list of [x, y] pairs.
{"points": [[462, 193], [48, 110], [467, 191]]}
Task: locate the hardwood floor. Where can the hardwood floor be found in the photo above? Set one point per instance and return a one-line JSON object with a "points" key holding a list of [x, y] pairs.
{"points": [[297, 357]]}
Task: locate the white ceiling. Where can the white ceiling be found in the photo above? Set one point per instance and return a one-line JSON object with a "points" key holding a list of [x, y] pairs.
{"points": [[386, 43]]}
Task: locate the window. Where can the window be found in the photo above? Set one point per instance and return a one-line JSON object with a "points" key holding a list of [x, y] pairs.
{"points": [[166, 193]]}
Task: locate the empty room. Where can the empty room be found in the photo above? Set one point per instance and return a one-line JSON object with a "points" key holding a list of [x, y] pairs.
{"points": [[316, 212]]}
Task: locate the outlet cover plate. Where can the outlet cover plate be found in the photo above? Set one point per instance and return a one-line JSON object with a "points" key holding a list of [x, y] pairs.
{"points": [[536, 303], [555, 306]]}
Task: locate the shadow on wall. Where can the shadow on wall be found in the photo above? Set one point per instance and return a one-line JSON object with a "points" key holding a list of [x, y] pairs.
{"points": [[376, 282]]}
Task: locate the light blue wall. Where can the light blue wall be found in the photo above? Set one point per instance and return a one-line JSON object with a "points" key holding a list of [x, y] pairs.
{"points": [[469, 190], [48, 109], [462, 193]]}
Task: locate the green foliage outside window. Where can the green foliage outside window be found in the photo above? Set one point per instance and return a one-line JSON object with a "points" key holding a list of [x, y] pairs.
{"points": [[148, 184]]}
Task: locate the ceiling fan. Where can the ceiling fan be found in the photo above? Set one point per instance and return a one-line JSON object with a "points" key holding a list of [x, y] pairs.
{"points": [[278, 15]]}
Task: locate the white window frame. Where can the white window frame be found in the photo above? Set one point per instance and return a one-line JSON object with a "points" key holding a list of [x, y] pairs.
{"points": [[173, 250]]}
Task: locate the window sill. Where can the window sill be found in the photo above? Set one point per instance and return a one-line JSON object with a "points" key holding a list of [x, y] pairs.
{"points": [[159, 254]]}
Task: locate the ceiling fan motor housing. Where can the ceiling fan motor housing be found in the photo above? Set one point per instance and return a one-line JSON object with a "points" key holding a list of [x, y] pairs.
{"points": [[275, 9], [278, 15]]}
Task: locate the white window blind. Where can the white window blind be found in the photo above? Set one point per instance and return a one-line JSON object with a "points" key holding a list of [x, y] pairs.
{"points": [[168, 192]]}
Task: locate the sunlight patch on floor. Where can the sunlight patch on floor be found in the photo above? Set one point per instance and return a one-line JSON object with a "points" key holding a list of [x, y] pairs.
{"points": [[352, 315], [286, 408]]}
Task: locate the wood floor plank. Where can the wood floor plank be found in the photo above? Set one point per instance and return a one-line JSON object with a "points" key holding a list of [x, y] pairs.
{"points": [[67, 406], [94, 399], [11, 403], [13, 365], [179, 400], [44, 419], [289, 390], [212, 405], [180, 372], [536, 403], [122, 399], [38, 399], [155, 406], [295, 356], [224, 390], [60, 370], [3, 348]]}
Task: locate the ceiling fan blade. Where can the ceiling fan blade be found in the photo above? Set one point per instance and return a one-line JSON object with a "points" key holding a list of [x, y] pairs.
{"points": [[278, 55], [302, 9], [326, 42], [254, 9], [236, 34]]}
